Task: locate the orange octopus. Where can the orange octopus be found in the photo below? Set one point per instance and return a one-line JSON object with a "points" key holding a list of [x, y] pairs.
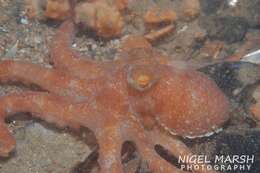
{"points": [[139, 97]]}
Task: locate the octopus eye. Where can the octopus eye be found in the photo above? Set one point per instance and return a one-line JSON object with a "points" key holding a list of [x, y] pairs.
{"points": [[142, 77]]}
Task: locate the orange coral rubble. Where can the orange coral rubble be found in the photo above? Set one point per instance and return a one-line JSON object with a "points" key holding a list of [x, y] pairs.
{"points": [[101, 17], [156, 16], [255, 109], [58, 9]]}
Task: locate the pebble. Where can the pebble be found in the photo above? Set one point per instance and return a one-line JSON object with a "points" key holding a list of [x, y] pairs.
{"points": [[13, 50], [38, 39], [190, 9], [156, 16], [74, 45], [93, 46], [24, 21], [116, 43], [2, 29], [232, 3]]}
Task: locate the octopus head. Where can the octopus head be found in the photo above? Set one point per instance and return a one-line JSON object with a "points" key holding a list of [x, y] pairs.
{"points": [[183, 102]]}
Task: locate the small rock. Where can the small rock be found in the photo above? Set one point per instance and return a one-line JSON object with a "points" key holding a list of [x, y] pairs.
{"points": [[190, 9], [232, 3], [115, 43], [57, 9], [38, 40], [13, 50], [101, 17], [35, 8], [154, 36], [53, 9], [93, 46], [157, 16], [74, 45], [2, 29], [24, 21]]}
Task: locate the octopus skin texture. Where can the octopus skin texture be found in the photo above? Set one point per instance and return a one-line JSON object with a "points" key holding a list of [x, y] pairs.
{"points": [[138, 97]]}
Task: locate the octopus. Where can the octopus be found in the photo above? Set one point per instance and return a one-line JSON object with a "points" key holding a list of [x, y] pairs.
{"points": [[139, 97]]}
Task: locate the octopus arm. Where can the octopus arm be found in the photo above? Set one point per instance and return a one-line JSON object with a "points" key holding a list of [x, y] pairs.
{"points": [[65, 59], [48, 79], [110, 143], [145, 147], [7, 141], [48, 107], [174, 146]]}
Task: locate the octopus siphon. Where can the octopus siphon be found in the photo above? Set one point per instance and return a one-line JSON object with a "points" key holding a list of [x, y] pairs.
{"points": [[139, 97]]}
